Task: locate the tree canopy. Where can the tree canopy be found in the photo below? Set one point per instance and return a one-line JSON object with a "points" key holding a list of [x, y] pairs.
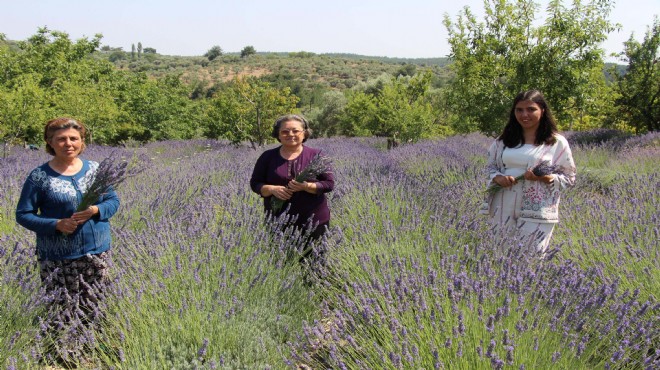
{"points": [[506, 53], [246, 109], [639, 86], [247, 51], [213, 52]]}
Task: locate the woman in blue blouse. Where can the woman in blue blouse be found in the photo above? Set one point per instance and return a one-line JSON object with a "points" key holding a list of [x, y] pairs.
{"points": [[72, 246]]}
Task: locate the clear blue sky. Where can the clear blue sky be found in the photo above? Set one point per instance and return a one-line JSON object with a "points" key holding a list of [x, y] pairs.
{"points": [[392, 28]]}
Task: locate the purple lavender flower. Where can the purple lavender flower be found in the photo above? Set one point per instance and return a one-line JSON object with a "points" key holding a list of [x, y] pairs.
{"points": [[202, 351], [509, 355], [490, 324], [491, 348], [545, 168], [110, 173], [542, 169]]}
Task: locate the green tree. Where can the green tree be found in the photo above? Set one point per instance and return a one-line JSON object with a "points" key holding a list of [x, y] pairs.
{"points": [[35, 74], [132, 51], [327, 121], [406, 70], [162, 108], [139, 50], [404, 110], [400, 109], [117, 55], [246, 109], [639, 86], [495, 59], [23, 111], [213, 52], [93, 104], [55, 57], [247, 51], [359, 114]]}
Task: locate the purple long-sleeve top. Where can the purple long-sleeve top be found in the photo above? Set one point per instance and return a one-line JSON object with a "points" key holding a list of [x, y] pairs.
{"points": [[272, 169]]}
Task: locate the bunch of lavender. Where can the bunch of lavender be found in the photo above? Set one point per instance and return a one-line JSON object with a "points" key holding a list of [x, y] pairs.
{"points": [[541, 169], [318, 165], [110, 173]]}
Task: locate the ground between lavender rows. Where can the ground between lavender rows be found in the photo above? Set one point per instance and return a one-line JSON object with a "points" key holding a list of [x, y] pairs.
{"points": [[415, 278]]}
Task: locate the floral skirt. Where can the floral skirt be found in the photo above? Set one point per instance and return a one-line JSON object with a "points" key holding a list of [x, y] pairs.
{"points": [[77, 283], [75, 298]]}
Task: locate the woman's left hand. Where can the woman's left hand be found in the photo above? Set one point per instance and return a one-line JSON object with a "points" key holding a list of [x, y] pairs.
{"points": [[547, 179], [309, 187], [82, 216]]}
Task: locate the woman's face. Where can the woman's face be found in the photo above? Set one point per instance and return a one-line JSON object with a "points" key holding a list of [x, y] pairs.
{"points": [[66, 143], [292, 133], [528, 114]]}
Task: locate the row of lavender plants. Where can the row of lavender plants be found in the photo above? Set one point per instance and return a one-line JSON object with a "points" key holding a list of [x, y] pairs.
{"points": [[415, 277]]}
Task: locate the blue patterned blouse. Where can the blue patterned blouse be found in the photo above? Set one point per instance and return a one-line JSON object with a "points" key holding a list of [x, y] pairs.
{"points": [[48, 196]]}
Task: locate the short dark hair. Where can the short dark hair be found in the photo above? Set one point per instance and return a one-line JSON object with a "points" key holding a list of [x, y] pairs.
{"points": [[291, 117], [63, 123], [512, 135]]}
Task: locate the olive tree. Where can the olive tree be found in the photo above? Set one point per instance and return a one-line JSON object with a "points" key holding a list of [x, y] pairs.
{"points": [[213, 52], [247, 51]]}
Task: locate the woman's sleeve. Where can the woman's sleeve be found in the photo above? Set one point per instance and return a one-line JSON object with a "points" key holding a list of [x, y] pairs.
{"points": [[326, 181], [108, 204], [27, 211], [258, 178], [491, 166], [563, 159]]}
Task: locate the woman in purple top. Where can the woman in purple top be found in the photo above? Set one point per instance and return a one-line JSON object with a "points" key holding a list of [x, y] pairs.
{"points": [[275, 171]]}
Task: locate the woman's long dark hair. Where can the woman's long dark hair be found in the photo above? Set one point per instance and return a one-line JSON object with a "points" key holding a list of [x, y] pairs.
{"points": [[512, 136]]}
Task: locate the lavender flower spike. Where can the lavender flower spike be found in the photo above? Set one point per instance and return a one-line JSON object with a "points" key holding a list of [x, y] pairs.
{"points": [[110, 173], [542, 169]]}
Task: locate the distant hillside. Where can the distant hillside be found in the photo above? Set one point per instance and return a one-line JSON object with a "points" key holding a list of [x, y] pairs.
{"points": [[296, 69], [440, 62]]}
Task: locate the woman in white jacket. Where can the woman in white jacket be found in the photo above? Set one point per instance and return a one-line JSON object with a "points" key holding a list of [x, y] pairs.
{"points": [[530, 205]]}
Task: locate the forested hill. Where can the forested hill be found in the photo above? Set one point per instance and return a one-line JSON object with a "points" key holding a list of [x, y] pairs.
{"points": [[334, 71]]}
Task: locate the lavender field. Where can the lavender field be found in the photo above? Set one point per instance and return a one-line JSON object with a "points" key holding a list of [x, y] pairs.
{"points": [[415, 280]]}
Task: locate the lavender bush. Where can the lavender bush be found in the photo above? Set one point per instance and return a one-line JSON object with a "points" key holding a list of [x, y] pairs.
{"points": [[415, 278]]}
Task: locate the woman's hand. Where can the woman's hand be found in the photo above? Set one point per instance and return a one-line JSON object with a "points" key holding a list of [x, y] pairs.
{"points": [[309, 187], [504, 181], [82, 216], [66, 225], [280, 192], [546, 179]]}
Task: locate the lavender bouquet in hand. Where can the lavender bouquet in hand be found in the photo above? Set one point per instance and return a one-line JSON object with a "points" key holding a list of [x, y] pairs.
{"points": [[110, 173], [541, 169], [317, 166]]}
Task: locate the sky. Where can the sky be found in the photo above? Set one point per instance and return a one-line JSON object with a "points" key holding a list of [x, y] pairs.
{"points": [[391, 28]]}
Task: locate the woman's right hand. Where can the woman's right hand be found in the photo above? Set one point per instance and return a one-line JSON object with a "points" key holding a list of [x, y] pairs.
{"points": [[66, 225], [280, 192], [504, 181]]}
